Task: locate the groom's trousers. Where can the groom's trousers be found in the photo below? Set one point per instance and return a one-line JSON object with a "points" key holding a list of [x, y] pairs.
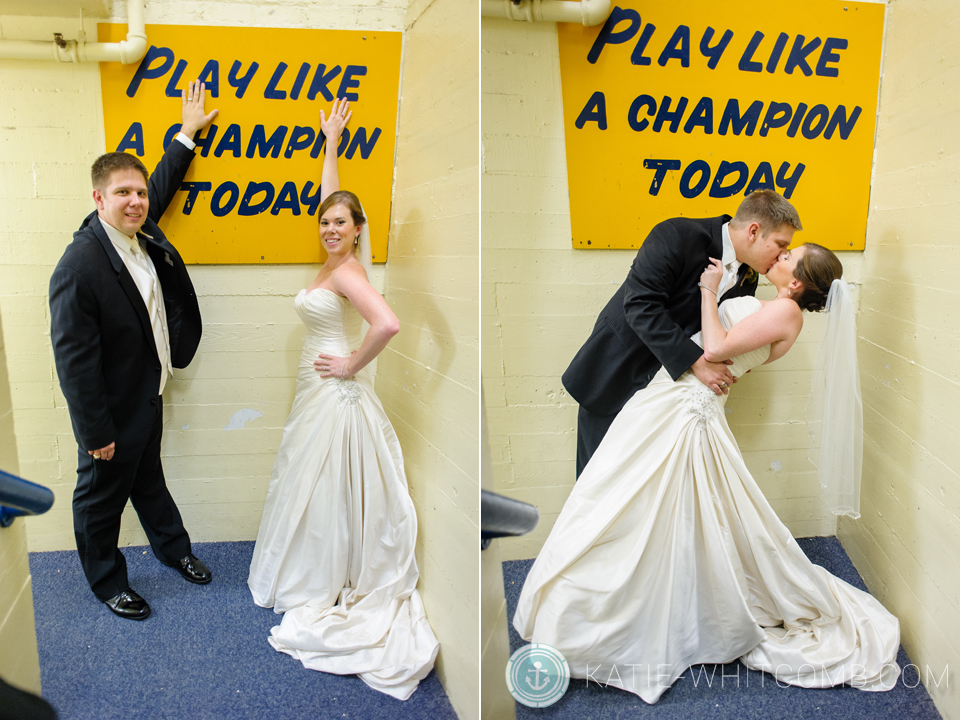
{"points": [[103, 487], [590, 431]]}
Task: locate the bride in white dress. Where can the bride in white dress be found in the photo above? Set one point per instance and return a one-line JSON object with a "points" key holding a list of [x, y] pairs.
{"points": [[335, 551], [667, 554]]}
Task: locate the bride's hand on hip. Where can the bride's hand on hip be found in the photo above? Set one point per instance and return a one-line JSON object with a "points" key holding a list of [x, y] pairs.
{"points": [[333, 365]]}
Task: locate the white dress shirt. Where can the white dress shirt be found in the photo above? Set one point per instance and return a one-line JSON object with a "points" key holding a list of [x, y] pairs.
{"points": [[731, 266], [144, 274]]}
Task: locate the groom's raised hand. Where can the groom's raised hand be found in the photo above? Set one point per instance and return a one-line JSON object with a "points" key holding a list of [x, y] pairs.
{"points": [[194, 117]]}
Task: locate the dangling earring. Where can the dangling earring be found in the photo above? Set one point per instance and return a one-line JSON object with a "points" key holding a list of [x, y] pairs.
{"points": [[356, 240], [788, 292]]}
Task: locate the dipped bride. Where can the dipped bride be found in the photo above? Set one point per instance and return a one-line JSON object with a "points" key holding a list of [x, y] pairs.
{"points": [[666, 553], [335, 550]]}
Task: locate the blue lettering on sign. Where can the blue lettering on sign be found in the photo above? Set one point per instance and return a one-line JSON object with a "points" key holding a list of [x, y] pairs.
{"points": [[206, 142], [286, 199], [158, 61], [798, 56], [747, 63], [633, 117], [697, 167], [241, 82], [271, 92], [172, 90], [257, 198], [777, 52], [726, 169], [300, 139], [248, 207], [145, 72], [132, 140], [219, 208], [623, 24], [722, 186], [660, 168], [678, 48], [261, 146], [702, 116], [610, 36], [298, 83], [829, 56], [193, 189], [210, 77], [361, 143], [594, 111], [812, 124], [320, 82], [230, 141], [348, 82], [716, 51], [312, 201]]}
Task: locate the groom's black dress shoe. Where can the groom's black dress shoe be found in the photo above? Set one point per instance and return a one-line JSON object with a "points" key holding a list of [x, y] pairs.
{"points": [[128, 605], [192, 569]]}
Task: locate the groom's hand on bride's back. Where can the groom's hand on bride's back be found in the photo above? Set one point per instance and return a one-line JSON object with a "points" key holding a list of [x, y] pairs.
{"points": [[716, 376]]}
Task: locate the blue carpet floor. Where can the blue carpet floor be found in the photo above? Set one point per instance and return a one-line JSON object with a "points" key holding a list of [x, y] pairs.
{"points": [[202, 654], [732, 691]]}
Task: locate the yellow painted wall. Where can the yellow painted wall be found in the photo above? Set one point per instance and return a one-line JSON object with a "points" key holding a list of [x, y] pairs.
{"points": [[19, 661], [540, 299], [428, 375], [906, 545]]}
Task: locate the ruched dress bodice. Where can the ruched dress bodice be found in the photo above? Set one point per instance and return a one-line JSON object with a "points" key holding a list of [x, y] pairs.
{"points": [[333, 323]]}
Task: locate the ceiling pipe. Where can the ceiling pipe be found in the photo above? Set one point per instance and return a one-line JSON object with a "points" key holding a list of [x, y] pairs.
{"points": [[126, 51], [588, 12]]}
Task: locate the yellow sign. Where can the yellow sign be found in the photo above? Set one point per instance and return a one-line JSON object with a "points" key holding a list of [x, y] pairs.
{"points": [[681, 109], [252, 194]]}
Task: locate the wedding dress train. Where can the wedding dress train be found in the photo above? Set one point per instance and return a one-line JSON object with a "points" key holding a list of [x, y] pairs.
{"points": [[667, 555]]}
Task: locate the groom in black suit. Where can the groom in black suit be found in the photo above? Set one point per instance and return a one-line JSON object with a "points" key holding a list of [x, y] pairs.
{"points": [[649, 321], [123, 313]]}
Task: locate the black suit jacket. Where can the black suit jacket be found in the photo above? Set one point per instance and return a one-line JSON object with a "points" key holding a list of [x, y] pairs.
{"points": [[103, 344], [650, 319]]}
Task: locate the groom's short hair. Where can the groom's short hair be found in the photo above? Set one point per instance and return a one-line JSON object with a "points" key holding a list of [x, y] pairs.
{"points": [[768, 208], [105, 165]]}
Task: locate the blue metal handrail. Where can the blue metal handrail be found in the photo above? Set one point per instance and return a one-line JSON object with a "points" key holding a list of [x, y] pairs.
{"points": [[21, 497]]}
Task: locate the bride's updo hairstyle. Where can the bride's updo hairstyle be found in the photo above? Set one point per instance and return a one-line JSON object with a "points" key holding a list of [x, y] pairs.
{"points": [[816, 269], [347, 198]]}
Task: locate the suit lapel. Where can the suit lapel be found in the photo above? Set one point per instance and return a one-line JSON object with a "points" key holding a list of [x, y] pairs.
{"points": [[129, 287]]}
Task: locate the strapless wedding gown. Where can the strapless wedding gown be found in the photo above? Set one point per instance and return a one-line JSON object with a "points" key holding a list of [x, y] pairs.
{"points": [[667, 555], [335, 551]]}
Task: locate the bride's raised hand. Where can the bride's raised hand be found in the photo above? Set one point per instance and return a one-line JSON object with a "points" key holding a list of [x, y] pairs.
{"points": [[340, 115], [711, 276]]}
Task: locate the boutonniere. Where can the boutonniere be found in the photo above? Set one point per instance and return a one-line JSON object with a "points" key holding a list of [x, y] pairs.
{"points": [[750, 277]]}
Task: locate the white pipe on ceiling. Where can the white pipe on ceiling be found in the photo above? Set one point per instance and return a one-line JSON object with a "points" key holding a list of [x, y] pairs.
{"points": [[588, 12], [126, 51]]}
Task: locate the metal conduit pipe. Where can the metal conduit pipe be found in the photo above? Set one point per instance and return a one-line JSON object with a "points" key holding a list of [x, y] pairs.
{"points": [[588, 12], [127, 51]]}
